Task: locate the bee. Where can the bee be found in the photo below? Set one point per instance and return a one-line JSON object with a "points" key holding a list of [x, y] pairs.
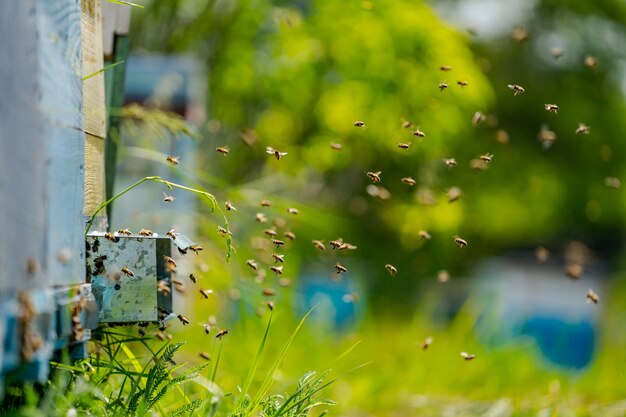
{"points": [[290, 235], [404, 145], [442, 86], [423, 234], [168, 198], [574, 271], [96, 245], [278, 258], [460, 242], [478, 118], [196, 248], [284, 282], [292, 210], [519, 34], [278, 270], [174, 160], [277, 242], [265, 203], [163, 287], [517, 89], [277, 154], [592, 297], [128, 272], [552, 108], [336, 244], [183, 319], [582, 129], [467, 356], [221, 334], [454, 193], [223, 232], [207, 328], [443, 276], [427, 342], [193, 278], [340, 268], [406, 124], [269, 292], [205, 293], [252, 264], [449, 162], [359, 123], [612, 182], [347, 246], [374, 176], [177, 282], [350, 298], [557, 53], [336, 146], [502, 136], [270, 305], [260, 217], [591, 62], [169, 262], [161, 336], [141, 332], [111, 237], [487, 158], [391, 269], [547, 137], [462, 83], [319, 244], [100, 259], [380, 192], [205, 356], [445, 68], [145, 232], [542, 254], [419, 133], [409, 181], [223, 150], [124, 232]]}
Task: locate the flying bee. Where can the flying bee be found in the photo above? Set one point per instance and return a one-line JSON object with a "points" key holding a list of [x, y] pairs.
{"points": [[582, 129], [359, 123], [419, 133], [161, 336], [517, 89], [612, 182], [124, 232], [404, 145], [177, 282], [265, 203], [445, 68], [205, 293], [193, 278], [221, 334], [111, 237], [423, 234], [277, 154], [278, 258], [163, 287], [128, 272], [542, 254], [374, 176], [552, 108], [319, 245], [592, 297], [426, 343], [347, 246], [141, 332], [183, 319], [336, 146], [574, 271], [406, 124], [391, 269], [252, 264], [270, 305], [502, 136], [205, 356], [454, 193], [223, 232], [207, 328], [519, 34], [478, 118], [223, 150], [443, 276], [557, 53], [442, 86], [340, 268], [460, 242], [467, 356], [196, 248], [229, 206], [488, 157], [284, 282], [290, 235], [260, 217], [591, 62], [169, 262], [449, 162], [336, 244], [292, 210], [277, 242], [168, 198], [173, 159], [350, 298], [269, 292], [145, 232], [278, 270], [462, 83], [409, 181]]}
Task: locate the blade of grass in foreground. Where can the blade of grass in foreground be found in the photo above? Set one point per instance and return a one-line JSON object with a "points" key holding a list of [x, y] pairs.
{"points": [[255, 364]]}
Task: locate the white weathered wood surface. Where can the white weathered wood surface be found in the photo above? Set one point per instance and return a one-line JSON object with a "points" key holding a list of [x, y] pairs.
{"points": [[115, 21]]}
